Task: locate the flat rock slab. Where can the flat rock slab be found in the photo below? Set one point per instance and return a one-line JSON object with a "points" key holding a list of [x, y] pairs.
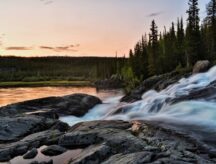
{"points": [[11, 129], [15, 128], [93, 154], [113, 142]]}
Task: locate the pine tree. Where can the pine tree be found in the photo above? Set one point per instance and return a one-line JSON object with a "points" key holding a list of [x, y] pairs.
{"points": [[137, 62], [154, 49], [193, 33], [211, 22], [144, 57], [180, 44], [173, 57]]}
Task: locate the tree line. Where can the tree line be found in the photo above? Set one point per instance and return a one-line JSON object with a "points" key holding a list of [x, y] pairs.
{"points": [[178, 47], [58, 68]]}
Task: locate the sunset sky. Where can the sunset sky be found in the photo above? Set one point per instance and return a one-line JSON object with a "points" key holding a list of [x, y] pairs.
{"points": [[82, 27]]}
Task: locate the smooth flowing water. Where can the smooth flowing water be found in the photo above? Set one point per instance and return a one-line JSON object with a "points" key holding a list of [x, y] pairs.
{"points": [[154, 106], [14, 95]]}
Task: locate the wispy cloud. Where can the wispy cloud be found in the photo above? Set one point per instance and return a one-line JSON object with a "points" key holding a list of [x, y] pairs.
{"points": [[61, 48], [47, 2], [46, 47], [18, 48], [155, 14], [65, 48]]}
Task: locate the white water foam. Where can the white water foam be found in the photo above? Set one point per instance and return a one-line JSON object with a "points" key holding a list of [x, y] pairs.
{"points": [[154, 106]]}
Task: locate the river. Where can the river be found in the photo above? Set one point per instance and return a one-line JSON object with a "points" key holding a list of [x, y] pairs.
{"points": [[14, 95]]}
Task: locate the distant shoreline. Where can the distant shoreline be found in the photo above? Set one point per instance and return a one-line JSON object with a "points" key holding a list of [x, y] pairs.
{"points": [[45, 84]]}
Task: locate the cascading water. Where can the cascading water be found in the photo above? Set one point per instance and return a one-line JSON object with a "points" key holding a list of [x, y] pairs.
{"points": [[160, 107]]}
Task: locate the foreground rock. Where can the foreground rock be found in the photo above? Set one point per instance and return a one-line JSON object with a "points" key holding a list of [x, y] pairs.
{"points": [[13, 129], [31, 154], [123, 142], [11, 150], [53, 150], [18, 135], [113, 142], [76, 104]]}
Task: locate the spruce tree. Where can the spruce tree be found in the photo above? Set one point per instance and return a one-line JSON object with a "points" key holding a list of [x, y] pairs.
{"points": [[154, 49], [144, 57], [211, 22], [193, 33], [180, 44]]}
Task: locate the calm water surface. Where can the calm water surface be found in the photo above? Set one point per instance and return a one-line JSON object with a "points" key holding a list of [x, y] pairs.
{"points": [[14, 95]]}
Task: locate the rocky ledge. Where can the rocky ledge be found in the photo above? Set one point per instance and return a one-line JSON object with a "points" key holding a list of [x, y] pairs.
{"points": [[75, 104], [114, 142], [31, 124], [160, 82]]}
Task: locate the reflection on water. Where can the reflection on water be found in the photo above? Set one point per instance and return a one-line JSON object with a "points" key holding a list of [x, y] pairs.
{"points": [[13, 95]]}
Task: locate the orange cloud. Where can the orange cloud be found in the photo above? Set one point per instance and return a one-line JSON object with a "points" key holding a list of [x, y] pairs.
{"points": [[61, 48], [18, 48]]}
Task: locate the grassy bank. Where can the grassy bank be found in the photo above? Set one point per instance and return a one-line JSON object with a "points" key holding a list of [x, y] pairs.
{"points": [[45, 83]]}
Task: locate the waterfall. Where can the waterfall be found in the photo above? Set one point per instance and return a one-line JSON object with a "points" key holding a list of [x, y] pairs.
{"points": [[160, 106]]}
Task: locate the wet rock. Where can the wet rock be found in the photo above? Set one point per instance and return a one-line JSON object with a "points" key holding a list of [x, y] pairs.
{"points": [[31, 154], [14, 128], [5, 155], [212, 154], [134, 158], [201, 66], [90, 133], [153, 144], [79, 139], [61, 126], [93, 154], [20, 149], [207, 93], [47, 114], [47, 137], [91, 125], [76, 104], [10, 150], [53, 150], [115, 142]]}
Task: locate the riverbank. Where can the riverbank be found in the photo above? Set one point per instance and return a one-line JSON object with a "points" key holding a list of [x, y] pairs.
{"points": [[45, 84]]}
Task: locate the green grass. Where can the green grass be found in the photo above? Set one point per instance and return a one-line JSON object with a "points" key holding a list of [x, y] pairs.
{"points": [[45, 83]]}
